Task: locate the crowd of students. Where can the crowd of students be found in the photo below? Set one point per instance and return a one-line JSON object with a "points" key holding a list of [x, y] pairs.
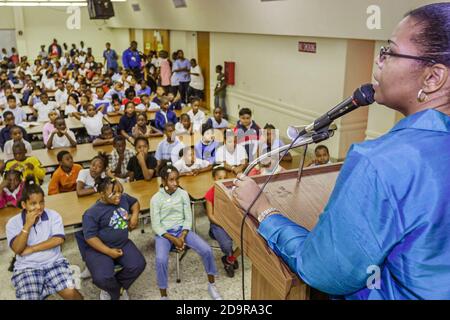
{"points": [[80, 88]]}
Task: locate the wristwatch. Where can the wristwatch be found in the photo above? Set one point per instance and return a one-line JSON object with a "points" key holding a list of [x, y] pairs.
{"points": [[266, 213]]}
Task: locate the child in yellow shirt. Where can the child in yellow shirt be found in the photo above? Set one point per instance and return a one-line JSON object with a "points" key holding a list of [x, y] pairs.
{"points": [[30, 166]]}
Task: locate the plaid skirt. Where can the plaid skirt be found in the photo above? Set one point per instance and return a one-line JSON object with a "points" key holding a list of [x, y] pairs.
{"points": [[38, 284]]}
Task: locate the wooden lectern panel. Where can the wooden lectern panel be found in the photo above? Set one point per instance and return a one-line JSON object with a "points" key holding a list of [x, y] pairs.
{"points": [[302, 203]]}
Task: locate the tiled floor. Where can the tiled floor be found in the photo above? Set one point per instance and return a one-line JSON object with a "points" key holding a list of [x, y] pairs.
{"points": [[193, 284]]}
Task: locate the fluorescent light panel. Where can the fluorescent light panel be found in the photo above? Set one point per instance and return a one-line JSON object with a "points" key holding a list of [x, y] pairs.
{"points": [[46, 3]]}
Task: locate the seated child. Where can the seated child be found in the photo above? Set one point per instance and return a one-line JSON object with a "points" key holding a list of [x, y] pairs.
{"points": [[116, 107], [164, 115], [248, 132], [168, 149], [189, 165], [206, 148], [128, 121], [184, 126], [130, 95], [142, 166], [217, 121], [86, 177], [30, 166], [35, 235], [174, 101], [106, 136], [142, 129], [61, 137], [322, 156], [42, 108], [171, 219], [120, 157], [197, 116], [11, 189], [49, 127], [72, 105], [160, 92], [231, 154], [104, 241], [216, 232], [5, 133], [147, 105], [16, 135], [19, 114], [100, 100], [269, 141], [64, 179], [93, 121]]}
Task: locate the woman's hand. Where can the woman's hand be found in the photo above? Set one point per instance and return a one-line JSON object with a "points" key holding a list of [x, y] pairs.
{"points": [[245, 191]]}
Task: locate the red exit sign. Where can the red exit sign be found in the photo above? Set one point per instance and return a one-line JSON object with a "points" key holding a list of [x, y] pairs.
{"points": [[310, 47]]}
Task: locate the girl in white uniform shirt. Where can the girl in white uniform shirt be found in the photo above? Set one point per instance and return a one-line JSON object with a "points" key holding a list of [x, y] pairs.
{"points": [[42, 108], [231, 154], [93, 121]]}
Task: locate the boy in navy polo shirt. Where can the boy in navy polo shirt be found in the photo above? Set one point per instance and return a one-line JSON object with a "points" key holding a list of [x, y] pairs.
{"points": [[128, 121], [36, 236], [105, 243], [206, 148], [164, 115]]}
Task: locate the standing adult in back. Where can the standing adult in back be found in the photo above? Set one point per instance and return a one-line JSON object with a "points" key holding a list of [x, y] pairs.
{"points": [[132, 60], [181, 69], [111, 57]]}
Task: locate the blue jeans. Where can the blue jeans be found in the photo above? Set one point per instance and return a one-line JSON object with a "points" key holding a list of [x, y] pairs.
{"points": [[221, 236], [193, 241]]}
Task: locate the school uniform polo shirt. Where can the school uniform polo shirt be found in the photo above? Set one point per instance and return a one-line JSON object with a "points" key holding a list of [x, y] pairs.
{"points": [[206, 151], [169, 151], [127, 123], [44, 109], [216, 125], [49, 225], [109, 222]]}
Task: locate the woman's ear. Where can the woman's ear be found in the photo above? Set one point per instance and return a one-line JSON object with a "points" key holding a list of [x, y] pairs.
{"points": [[436, 77]]}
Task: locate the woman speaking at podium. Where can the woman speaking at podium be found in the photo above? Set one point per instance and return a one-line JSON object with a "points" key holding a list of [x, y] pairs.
{"points": [[390, 208]]}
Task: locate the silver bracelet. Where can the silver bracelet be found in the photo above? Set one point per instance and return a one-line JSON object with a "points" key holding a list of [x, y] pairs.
{"points": [[267, 212]]}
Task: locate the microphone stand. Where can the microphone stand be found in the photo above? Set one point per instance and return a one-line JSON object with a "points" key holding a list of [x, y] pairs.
{"points": [[300, 141]]}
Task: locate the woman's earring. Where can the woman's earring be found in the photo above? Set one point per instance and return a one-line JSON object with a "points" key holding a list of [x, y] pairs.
{"points": [[421, 96]]}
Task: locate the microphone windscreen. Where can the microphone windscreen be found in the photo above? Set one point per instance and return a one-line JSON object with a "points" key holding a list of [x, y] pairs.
{"points": [[365, 95]]}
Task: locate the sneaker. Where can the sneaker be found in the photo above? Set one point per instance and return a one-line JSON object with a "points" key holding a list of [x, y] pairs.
{"points": [[213, 292], [104, 295], [229, 268], [85, 274], [124, 295], [164, 298]]}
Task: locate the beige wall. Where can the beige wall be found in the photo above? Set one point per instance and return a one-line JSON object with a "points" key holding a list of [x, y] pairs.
{"points": [[317, 18], [281, 85]]}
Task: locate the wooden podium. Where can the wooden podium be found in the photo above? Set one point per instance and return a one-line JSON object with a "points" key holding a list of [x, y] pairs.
{"points": [[302, 203]]}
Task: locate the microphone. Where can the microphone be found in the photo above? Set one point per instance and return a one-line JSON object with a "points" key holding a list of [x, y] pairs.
{"points": [[362, 96]]}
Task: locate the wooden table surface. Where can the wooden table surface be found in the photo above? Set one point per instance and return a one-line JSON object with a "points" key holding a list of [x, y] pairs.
{"points": [[71, 208]]}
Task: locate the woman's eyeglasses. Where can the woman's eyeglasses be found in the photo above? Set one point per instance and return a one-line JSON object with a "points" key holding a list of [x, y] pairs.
{"points": [[386, 51]]}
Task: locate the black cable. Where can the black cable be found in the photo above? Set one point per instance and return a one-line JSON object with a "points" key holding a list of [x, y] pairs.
{"points": [[254, 201]]}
